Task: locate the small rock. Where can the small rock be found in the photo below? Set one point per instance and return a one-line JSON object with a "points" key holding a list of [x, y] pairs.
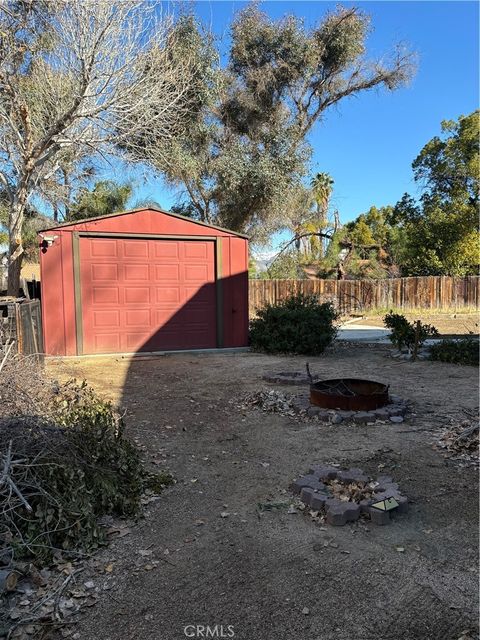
{"points": [[335, 418], [224, 514], [305, 611], [396, 419], [364, 416], [89, 585]]}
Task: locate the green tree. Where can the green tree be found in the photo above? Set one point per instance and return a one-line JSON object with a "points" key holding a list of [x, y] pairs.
{"points": [[287, 266], [441, 230], [244, 151], [106, 197], [367, 247]]}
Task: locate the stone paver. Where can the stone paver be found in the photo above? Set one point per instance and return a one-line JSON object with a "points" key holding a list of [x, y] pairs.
{"points": [[301, 405], [307, 481], [314, 493]]}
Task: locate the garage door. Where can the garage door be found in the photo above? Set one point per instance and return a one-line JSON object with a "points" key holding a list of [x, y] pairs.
{"points": [[147, 295]]}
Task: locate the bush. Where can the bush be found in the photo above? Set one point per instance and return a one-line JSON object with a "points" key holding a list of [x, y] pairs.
{"points": [[403, 333], [463, 351], [298, 324], [70, 466]]}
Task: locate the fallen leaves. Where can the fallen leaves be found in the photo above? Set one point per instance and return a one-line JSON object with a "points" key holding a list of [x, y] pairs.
{"points": [[460, 441], [270, 401], [33, 608]]}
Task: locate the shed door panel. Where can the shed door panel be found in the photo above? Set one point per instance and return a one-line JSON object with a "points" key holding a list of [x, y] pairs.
{"points": [[147, 295]]}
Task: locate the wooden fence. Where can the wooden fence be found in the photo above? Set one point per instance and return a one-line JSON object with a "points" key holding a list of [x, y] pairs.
{"points": [[349, 296], [22, 324]]}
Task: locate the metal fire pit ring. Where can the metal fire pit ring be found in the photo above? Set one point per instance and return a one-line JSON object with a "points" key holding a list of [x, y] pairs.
{"points": [[351, 394]]}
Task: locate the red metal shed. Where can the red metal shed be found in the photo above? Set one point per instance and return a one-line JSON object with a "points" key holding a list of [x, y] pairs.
{"points": [[142, 280]]}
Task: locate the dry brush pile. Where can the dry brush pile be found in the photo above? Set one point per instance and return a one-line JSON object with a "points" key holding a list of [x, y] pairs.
{"points": [[64, 464]]}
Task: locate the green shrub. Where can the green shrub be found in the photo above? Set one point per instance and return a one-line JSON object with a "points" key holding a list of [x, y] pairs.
{"points": [[298, 324], [112, 464], [403, 332], [463, 351], [76, 466]]}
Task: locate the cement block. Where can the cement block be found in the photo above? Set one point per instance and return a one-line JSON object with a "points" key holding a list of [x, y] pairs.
{"points": [[323, 472], [306, 495], [402, 504], [379, 517], [337, 517], [365, 505], [352, 509], [318, 501], [342, 512], [306, 481], [333, 503], [362, 417], [380, 495]]}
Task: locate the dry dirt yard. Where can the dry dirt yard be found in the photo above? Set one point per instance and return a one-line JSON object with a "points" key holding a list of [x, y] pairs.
{"points": [[447, 323], [274, 575]]}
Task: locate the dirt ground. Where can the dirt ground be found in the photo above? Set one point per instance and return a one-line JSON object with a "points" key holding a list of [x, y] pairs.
{"points": [[274, 575], [446, 323]]}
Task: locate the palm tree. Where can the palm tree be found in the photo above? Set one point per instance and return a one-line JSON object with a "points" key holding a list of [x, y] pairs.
{"points": [[322, 188]]}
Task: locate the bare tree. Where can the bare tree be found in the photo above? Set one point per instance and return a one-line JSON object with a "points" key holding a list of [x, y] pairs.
{"points": [[80, 78]]}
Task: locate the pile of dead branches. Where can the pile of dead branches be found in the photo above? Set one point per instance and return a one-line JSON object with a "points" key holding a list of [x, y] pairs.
{"points": [[24, 387], [64, 463], [65, 466]]}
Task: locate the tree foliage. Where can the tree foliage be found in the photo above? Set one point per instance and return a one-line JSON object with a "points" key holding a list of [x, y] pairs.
{"points": [[442, 230], [437, 234], [107, 196], [244, 153]]}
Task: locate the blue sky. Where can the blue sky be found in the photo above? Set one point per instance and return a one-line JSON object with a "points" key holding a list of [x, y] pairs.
{"points": [[368, 143]]}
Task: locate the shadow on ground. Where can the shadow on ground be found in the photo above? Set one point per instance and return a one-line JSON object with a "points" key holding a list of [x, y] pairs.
{"points": [[274, 575]]}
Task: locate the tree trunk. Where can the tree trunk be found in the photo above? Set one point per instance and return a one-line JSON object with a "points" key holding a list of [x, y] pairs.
{"points": [[15, 256], [322, 215], [14, 270]]}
